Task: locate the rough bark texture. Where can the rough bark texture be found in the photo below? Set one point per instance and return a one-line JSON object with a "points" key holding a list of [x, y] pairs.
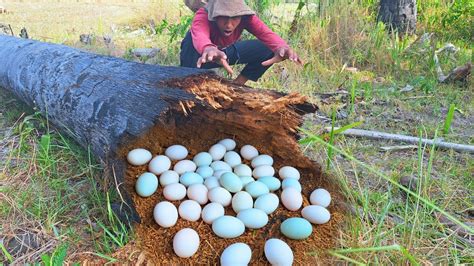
{"points": [[105, 103], [398, 14]]}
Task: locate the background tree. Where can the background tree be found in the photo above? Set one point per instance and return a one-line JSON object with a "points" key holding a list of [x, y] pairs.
{"points": [[398, 14]]}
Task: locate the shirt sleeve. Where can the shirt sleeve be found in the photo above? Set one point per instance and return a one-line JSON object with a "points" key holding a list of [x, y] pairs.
{"points": [[201, 31], [258, 28]]}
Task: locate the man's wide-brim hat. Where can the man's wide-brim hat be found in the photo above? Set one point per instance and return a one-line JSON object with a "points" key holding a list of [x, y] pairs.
{"points": [[227, 8]]}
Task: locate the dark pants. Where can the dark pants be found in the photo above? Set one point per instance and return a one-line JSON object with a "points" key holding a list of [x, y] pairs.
{"points": [[252, 53]]}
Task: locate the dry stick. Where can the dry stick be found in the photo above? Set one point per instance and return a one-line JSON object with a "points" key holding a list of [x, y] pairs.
{"points": [[408, 139]]}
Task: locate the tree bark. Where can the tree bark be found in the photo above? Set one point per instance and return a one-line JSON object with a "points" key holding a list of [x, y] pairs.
{"points": [[398, 14], [103, 102]]}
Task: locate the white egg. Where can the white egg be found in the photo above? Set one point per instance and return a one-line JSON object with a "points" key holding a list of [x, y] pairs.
{"points": [[169, 177], [186, 243], [316, 214], [217, 151], [202, 159], [241, 201], [212, 211], [228, 143], [246, 179], [278, 252], [189, 210], [320, 197], [219, 173], [236, 254], [232, 158], [289, 172], [198, 192], [165, 214], [221, 166], [253, 218], [291, 182], [263, 170], [205, 171], [248, 152], [175, 191], [267, 203], [211, 182], [243, 170], [139, 156], [263, 159], [176, 152], [184, 166], [220, 195], [291, 199], [159, 164]]}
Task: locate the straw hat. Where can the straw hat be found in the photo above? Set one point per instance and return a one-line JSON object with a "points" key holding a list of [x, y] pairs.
{"points": [[227, 8]]}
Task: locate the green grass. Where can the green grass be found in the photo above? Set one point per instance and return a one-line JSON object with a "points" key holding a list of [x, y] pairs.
{"points": [[54, 184]]}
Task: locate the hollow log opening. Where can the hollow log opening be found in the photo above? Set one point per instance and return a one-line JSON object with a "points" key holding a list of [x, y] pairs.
{"points": [[265, 121]]}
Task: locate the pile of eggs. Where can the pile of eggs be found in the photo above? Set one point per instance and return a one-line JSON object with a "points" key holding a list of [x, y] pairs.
{"points": [[219, 178]]}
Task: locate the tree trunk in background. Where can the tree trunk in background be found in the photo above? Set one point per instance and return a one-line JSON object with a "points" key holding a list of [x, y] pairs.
{"points": [[398, 14]]}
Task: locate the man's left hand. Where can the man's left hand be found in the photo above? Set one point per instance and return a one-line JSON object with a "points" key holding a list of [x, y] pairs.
{"points": [[281, 54]]}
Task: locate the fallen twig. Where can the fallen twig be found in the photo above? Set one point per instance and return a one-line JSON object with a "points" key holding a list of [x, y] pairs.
{"points": [[408, 139], [398, 148]]}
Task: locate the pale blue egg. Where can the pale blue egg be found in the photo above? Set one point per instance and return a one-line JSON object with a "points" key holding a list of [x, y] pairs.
{"points": [[271, 182], [146, 184], [263, 159], [267, 203], [291, 182], [228, 227], [190, 178], [296, 228], [205, 171], [202, 159], [246, 179], [256, 189], [231, 182], [253, 218]]}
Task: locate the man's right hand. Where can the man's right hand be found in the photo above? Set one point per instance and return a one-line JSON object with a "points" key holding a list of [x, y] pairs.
{"points": [[212, 54]]}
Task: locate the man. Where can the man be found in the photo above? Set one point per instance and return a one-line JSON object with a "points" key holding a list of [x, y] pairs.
{"points": [[213, 41]]}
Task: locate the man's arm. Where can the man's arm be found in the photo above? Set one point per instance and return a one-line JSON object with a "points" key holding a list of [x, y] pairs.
{"points": [[201, 31]]}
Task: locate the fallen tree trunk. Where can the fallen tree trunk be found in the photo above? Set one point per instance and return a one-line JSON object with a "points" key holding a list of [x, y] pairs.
{"points": [[112, 105]]}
